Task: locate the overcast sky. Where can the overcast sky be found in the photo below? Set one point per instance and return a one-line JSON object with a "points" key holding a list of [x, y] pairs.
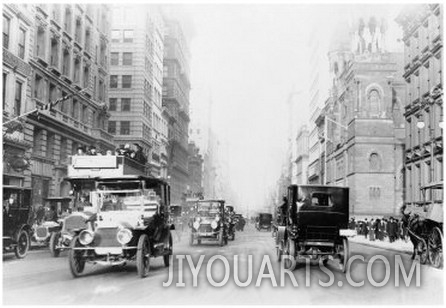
{"points": [[248, 59]]}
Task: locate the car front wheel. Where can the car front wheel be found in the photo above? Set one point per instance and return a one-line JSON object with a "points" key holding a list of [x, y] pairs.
{"points": [[22, 244], [76, 258], [54, 242], [143, 256], [169, 249]]}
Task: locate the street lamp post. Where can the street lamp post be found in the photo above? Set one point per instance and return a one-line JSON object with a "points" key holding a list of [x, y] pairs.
{"points": [[326, 118]]}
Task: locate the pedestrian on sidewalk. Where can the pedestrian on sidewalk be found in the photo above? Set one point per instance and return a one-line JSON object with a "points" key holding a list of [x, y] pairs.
{"points": [[372, 230], [365, 227]]}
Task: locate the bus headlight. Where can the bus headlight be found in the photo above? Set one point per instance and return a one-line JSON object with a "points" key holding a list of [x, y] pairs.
{"points": [[86, 237], [214, 224], [196, 225], [124, 236]]}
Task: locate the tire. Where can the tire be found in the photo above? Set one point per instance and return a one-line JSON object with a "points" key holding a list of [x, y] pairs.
{"points": [[166, 257], [54, 241], [279, 251], [23, 243], [290, 249], [344, 255], [221, 239], [423, 251], [435, 244], [143, 256], [76, 259], [191, 239]]}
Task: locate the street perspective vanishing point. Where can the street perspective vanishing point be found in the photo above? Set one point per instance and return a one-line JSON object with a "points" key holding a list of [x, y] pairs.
{"points": [[222, 154]]}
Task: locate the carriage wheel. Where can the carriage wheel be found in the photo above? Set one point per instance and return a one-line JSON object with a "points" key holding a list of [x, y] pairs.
{"points": [[290, 249], [435, 244], [422, 251], [344, 255], [279, 251]]}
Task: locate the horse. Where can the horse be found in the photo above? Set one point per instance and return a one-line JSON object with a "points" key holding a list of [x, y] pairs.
{"points": [[415, 226]]}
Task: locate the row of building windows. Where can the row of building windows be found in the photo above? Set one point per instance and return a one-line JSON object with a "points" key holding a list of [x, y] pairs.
{"points": [[127, 58], [7, 37], [118, 36], [125, 79], [125, 104], [124, 127], [420, 174]]}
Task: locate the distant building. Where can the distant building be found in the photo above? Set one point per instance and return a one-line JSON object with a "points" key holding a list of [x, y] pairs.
{"points": [[51, 51], [364, 120], [175, 99], [136, 75], [423, 69], [301, 161], [195, 168]]}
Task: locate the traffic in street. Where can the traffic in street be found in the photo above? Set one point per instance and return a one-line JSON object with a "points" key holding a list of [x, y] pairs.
{"points": [[41, 279]]}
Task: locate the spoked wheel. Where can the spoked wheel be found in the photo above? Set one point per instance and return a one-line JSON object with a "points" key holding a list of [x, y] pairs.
{"points": [[191, 239], [221, 238], [143, 256], [279, 251], [76, 258], [435, 245], [166, 257], [343, 252], [54, 241], [422, 251], [290, 249], [22, 244]]}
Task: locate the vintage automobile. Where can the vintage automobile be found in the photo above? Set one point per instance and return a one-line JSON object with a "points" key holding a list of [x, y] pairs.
{"points": [[264, 221], [130, 220], [17, 216], [209, 222], [318, 224], [131, 223], [43, 230]]}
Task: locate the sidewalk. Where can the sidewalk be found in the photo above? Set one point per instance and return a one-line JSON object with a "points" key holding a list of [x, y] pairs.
{"points": [[399, 245]]}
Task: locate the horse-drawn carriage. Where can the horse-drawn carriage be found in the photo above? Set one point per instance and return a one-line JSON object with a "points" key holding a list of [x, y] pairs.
{"points": [[424, 222], [317, 224]]}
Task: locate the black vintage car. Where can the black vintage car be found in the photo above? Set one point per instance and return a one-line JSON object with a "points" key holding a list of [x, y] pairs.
{"points": [[264, 221], [318, 224], [209, 222], [17, 216]]}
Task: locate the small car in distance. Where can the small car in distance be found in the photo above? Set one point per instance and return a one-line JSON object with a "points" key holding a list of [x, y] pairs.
{"points": [[264, 222], [17, 212], [209, 222]]}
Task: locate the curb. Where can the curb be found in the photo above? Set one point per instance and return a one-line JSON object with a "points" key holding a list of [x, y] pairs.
{"points": [[380, 247]]}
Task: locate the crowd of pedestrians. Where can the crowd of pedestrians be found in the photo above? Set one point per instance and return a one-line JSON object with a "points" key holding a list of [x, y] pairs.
{"points": [[132, 151], [380, 229]]}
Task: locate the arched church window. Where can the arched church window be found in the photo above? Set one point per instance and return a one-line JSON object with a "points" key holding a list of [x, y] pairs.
{"points": [[374, 99], [374, 162]]}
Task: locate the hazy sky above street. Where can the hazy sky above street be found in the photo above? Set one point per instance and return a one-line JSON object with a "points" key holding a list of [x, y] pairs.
{"points": [[247, 59]]}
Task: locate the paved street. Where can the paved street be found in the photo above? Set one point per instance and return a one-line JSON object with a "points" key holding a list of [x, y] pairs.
{"points": [[41, 279]]}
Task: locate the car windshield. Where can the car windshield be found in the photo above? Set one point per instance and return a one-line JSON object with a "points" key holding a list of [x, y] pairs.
{"points": [[208, 208], [126, 200]]}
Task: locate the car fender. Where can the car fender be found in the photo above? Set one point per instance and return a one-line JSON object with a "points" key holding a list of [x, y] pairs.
{"points": [[25, 227]]}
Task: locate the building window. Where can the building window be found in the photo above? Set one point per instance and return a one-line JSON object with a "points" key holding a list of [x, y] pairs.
{"points": [[53, 93], [113, 81], [127, 58], [101, 90], [5, 76], [85, 118], [18, 98], [112, 127], [22, 40], [103, 54], [128, 36], [112, 104], [67, 21], [126, 81], [125, 128], [116, 36], [88, 40], [114, 58], [66, 63], [37, 140], [64, 105], [40, 52], [6, 25], [50, 145], [86, 76], [77, 70], [374, 162], [63, 149], [78, 31], [125, 104], [74, 110], [54, 60]]}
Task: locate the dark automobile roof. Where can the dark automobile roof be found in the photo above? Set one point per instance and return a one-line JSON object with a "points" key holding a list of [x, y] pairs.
{"points": [[124, 177], [318, 185], [210, 200]]}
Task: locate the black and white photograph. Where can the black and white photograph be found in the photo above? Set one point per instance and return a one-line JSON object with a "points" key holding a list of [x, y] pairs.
{"points": [[222, 153]]}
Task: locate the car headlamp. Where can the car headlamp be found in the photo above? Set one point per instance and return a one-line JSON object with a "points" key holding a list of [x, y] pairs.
{"points": [[86, 237], [214, 224], [124, 236], [196, 225]]}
